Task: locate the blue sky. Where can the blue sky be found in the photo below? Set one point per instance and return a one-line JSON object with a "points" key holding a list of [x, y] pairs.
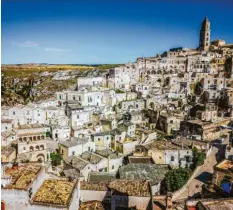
{"points": [[106, 31]]}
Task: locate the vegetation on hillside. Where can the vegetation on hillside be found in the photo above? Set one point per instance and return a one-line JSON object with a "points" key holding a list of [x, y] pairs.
{"points": [[176, 178]]}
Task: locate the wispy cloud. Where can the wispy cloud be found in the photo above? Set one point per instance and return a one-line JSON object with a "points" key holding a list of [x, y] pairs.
{"points": [[25, 44], [58, 50]]}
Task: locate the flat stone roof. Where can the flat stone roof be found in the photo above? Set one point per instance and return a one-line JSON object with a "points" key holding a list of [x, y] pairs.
{"points": [[108, 154], [74, 141], [102, 176], [137, 171]]}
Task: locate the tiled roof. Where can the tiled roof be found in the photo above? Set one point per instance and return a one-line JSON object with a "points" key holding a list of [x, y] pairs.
{"points": [[95, 186], [138, 188], [130, 188], [55, 192], [94, 205], [22, 176]]}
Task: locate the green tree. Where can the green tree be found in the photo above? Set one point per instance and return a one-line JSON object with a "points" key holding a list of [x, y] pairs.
{"points": [[176, 178], [55, 159], [198, 157]]}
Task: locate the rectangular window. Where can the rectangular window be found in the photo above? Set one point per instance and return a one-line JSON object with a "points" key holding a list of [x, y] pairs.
{"points": [[77, 116], [13, 113], [73, 153], [98, 139], [113, 167]]}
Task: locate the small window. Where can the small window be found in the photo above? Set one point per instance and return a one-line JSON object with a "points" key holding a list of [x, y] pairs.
{"points": [[13, 113], [172, 158], [113, 167], [77, 116], [187, 152], [73, 153], [24, 148], [98, 139]]}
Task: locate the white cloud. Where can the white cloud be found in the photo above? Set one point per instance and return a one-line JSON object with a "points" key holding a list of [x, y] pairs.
{"points": [[25, 44], [59, 50]]}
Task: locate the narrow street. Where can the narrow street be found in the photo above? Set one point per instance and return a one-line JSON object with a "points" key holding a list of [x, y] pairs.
{"points": [[204, 174]]}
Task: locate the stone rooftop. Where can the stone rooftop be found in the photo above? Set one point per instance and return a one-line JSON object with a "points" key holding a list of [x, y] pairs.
{"points": [[76, 162], [22, 176], [74, 141], [55, 192], [163, 145], [137, 171], [31, 126], [135, 159], [91, 157], [102, 176], [108, 153]]}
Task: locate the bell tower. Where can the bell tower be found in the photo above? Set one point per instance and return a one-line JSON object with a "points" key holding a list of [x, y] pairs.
{"points": [[204, 42]]}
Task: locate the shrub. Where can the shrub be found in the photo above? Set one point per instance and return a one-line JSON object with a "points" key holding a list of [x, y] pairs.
{"points": [[176, 178]]}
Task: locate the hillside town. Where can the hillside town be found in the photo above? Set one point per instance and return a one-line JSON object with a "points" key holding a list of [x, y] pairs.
{"points": [[151, 134]]}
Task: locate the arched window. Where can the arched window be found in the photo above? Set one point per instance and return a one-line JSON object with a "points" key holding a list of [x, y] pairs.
{"points": [[31, 148], [42, 137], [37, 147], [20, 139], [34, 138], [41, 147], [172, 158], [24, 139], [38, 137]]}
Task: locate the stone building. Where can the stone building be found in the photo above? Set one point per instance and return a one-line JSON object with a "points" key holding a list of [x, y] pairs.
{"points": [[204, 42]]}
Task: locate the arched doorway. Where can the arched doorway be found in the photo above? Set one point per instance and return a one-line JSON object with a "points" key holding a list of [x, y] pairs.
{"points": [[40, 158]]}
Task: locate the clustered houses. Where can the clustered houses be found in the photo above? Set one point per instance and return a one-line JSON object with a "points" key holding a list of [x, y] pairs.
{"points": [[133, 122]]}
